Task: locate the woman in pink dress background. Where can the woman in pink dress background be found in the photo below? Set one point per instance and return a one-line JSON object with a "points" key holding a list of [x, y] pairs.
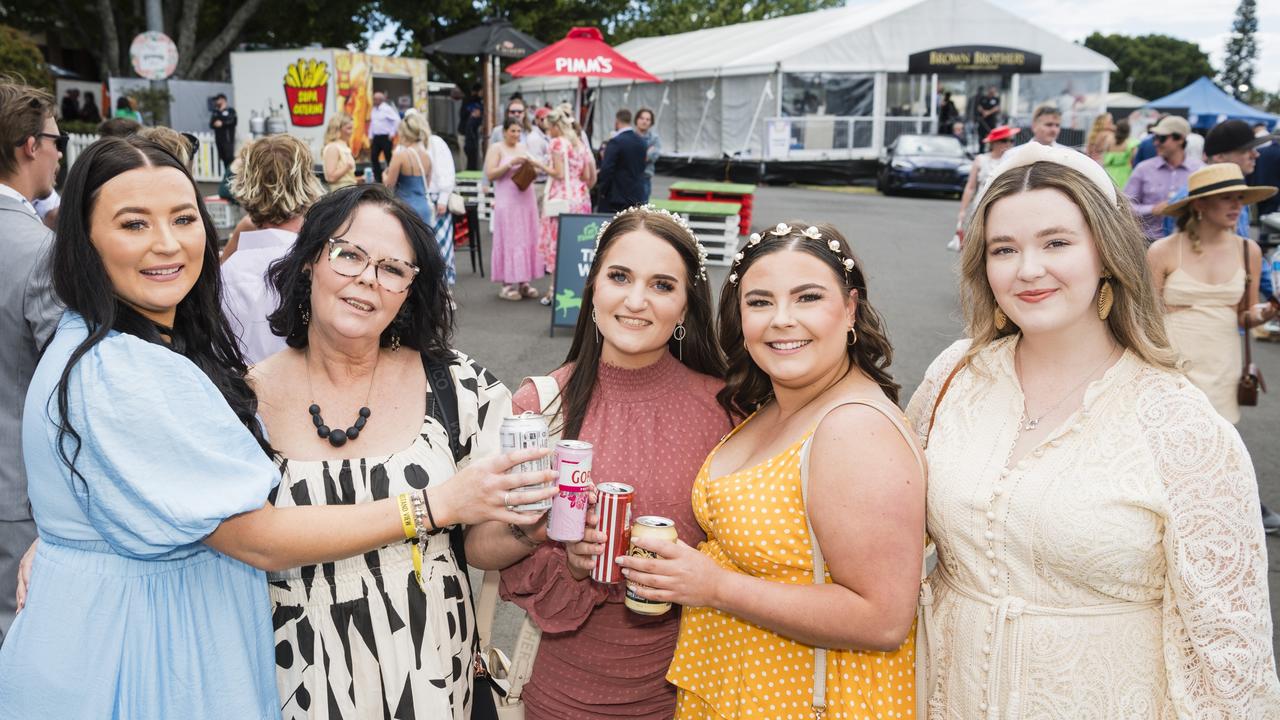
{"points": [[515, 260], [570, 175]]}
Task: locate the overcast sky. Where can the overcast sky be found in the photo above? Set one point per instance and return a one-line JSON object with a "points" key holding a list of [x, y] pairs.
{"points": [[1204, 22]]}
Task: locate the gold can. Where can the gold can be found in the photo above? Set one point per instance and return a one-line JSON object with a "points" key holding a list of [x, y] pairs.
{"points": [[652, 526]]}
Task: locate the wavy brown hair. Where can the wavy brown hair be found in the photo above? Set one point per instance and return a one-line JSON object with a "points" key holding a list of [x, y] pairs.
{"points": [[701, 354], [1135, 320], [747, 387]]}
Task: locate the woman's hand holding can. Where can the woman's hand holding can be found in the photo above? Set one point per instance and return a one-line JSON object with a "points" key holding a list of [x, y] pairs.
{"points": [[484, 491], [581, 555]]}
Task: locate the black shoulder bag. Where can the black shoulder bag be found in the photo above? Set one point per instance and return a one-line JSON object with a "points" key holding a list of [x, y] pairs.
{"points": [[443, 406]]}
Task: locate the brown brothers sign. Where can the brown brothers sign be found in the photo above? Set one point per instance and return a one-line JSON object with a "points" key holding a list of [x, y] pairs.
{"points": [[974, 58]]}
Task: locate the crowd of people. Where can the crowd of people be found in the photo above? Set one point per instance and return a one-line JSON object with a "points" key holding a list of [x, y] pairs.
{"points": [[258, 497]]}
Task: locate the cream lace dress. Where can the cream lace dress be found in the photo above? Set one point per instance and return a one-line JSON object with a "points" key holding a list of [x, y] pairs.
{"points": [[1118, 571]]}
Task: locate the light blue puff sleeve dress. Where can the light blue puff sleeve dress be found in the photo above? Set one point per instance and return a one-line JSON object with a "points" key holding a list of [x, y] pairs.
{"points": [[129, 614]]}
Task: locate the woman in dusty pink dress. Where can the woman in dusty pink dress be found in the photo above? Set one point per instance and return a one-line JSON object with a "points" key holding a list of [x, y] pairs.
{"points": [[515, 259], [570, 174]]}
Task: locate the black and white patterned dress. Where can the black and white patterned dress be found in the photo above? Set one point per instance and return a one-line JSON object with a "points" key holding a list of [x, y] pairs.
{"points": [[359, 638]]}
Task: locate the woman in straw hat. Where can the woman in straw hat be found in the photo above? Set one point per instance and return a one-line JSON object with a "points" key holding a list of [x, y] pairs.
{"points": [[1208, 291], [1098, 553]]}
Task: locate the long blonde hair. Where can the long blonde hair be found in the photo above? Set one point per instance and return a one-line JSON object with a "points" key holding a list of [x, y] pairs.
{"points": [[1098, 133], [1135, 320], [414, 128], [333, 131]]}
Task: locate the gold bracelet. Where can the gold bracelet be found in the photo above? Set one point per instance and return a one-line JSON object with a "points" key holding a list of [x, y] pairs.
{"points": [[405, 504]]}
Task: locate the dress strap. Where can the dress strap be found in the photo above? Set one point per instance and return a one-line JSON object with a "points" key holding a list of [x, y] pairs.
{"points": [[894, 414]]}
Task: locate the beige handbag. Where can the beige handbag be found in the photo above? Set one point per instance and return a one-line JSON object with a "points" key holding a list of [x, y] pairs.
{"points": [[511, 675], [924, 609]]}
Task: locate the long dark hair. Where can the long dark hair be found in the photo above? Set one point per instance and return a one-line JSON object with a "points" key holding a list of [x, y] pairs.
{"points": [[747, 387], [425, 321], [200, 331], [701, 354]]}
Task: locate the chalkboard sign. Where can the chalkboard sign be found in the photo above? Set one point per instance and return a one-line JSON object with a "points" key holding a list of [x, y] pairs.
{"points": [[575, 249]]}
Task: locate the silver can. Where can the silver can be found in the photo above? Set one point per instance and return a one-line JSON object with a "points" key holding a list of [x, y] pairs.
{"points": [[521, 432]]}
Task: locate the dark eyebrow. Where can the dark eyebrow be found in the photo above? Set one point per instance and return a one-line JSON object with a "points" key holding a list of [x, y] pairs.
{"points": [[145, 211], [761, 293], [1059, 230], [807, 286]]}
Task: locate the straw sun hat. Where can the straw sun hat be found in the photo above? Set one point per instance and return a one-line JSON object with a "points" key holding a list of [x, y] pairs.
{"points": [[1218, 179]]}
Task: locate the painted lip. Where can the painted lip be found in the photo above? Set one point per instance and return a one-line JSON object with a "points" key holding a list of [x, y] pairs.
{"points": [[628, 322], [372, 306], [797, 343], [1035, 296], [172, 271]]}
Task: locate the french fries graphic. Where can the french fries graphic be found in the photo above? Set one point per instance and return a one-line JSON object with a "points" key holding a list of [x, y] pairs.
{"points": [[307, 74], [306, 85]]}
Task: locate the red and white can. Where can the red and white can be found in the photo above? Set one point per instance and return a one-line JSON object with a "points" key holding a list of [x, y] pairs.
{"points": [[572, 462], [614, 508]]}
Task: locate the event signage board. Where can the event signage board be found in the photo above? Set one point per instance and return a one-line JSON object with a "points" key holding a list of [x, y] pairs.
{"points": [[974, 58], [154, 55], [575, 249]]}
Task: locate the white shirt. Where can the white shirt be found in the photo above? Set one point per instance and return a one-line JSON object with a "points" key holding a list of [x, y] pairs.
{"points": [[384, 120], [44, 206], [443, 172], [7, 191], [247, 298]]}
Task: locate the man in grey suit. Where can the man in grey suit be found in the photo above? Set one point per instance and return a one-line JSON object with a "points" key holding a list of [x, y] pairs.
{"points": [[30, 147]]}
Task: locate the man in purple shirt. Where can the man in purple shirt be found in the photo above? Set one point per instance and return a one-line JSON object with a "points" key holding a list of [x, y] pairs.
{"points": [[1155, 181], [383, 123]]}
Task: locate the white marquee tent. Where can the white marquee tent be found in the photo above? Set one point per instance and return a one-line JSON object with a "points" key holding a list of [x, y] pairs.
{"points": [[832, 84]]}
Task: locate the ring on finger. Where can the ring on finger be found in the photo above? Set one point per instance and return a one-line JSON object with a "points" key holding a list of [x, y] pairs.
{"points": [[505, 498]]}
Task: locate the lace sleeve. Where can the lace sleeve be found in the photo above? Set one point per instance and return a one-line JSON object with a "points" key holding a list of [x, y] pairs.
{"points": [[921, 405], [1216, 615]]}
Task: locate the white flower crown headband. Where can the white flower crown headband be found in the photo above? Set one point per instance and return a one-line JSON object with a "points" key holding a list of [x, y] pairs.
{"points": [[782, 230], [647, 208]]}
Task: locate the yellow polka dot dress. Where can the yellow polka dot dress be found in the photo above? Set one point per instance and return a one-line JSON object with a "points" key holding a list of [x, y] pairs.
{"points": [[725, 667]]}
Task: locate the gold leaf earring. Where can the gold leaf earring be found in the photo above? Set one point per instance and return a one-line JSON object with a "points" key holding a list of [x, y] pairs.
{"points": [[1002, 320], [1105, 297]]}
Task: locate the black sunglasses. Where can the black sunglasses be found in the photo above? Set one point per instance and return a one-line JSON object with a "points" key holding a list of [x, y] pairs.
{"points": [[59, 141], [1161, 138]]}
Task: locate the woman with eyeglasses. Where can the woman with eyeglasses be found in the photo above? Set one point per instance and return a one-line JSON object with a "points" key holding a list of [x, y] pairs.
{"points": [[155, 493]]}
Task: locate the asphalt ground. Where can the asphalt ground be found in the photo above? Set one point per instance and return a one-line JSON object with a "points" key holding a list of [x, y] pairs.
{"points": [[911, 280]]}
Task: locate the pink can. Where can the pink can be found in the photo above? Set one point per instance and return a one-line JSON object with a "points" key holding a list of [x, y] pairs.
{"points": [[572, 461], [614, 508]]}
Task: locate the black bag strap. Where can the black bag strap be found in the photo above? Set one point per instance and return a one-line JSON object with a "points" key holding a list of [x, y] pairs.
{"points": [[443, 402]]}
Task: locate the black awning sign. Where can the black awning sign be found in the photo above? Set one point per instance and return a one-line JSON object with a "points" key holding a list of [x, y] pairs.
{"points": [[974, 58]]}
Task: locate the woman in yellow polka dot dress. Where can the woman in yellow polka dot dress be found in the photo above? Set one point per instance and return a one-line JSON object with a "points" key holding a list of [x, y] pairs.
{"points": [[808, 357]]}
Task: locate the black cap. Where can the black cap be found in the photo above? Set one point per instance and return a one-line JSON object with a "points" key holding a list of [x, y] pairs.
{"points": [[1231, 136]]}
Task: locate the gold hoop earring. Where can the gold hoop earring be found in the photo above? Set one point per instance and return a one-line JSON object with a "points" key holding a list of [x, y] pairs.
{"points": [[679, 335], [1002, 320], [1106, 298], [853, 336], [596, 323]]}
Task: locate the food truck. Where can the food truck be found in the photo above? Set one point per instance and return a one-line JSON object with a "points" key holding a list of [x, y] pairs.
{"points": [[298, 91]]}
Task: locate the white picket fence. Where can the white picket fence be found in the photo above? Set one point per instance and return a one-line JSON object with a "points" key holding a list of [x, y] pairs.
{"points": [[207, 166]]}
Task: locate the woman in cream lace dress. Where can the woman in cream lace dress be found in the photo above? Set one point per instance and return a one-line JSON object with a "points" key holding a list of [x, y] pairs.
{"points": [[1100, 555]]}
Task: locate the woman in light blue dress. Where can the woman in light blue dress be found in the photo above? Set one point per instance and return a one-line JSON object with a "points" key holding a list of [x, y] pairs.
{"points": [[149, 473]]}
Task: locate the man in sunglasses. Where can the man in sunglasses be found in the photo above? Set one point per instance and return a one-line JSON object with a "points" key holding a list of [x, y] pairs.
{"points": [[1156, 181], [30, 146]]}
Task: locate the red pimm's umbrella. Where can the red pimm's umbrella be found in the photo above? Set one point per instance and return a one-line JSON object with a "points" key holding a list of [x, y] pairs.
{"points": [[582, 53]]}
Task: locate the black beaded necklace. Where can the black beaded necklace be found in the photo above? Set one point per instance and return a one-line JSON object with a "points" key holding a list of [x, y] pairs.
{"points": [[338, 437]]}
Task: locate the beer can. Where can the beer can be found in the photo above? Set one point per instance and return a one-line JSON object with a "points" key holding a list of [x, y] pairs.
{"points": [[572, 462], [614, 509], [521, 432], [655, 527]]}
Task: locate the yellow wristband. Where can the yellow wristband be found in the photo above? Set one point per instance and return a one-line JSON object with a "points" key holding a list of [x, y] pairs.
{"points": [[406, 515]]}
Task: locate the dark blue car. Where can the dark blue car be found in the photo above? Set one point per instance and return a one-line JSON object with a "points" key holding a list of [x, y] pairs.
{"points": [[930, 163]]}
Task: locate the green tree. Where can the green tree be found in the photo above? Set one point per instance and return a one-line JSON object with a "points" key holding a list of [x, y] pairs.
{"points": [[205, 32], [21, 59], [1242, 51], [1151, 66]]}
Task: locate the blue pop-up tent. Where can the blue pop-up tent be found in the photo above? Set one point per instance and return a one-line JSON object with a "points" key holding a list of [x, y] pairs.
{"points": [[1209, 105]]}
